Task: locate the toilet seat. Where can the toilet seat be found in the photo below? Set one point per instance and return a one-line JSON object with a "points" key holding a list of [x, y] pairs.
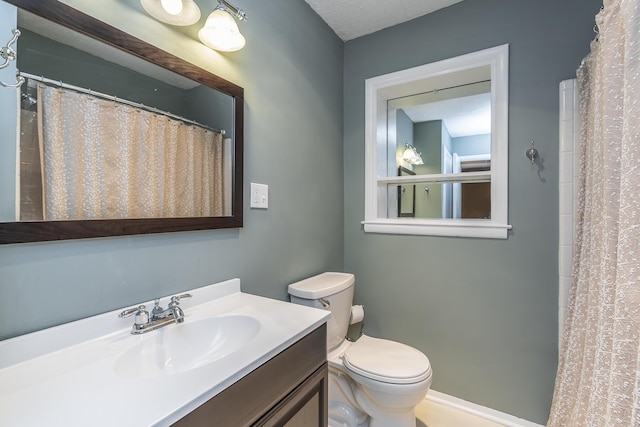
{"points": [[386, 361]]}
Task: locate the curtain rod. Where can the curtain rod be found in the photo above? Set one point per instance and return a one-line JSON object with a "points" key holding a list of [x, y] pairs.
{"points": [[116, 99]]}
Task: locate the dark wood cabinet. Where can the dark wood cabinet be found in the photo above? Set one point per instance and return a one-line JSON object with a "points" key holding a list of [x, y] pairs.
{"points": [[289, 390]]}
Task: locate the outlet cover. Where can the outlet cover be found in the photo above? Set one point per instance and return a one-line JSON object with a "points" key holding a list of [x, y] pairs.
{"points": [[259, 196]]}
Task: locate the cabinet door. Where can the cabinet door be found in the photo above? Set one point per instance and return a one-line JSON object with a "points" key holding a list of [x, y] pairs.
{"points": [[306, 406]]}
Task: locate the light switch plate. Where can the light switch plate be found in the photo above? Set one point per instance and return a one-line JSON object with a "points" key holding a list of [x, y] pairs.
{"points": [[259, 196]]}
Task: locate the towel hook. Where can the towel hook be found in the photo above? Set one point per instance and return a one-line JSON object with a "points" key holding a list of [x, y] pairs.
{"points": [[9, 54], [17, 84], [532, 153]]}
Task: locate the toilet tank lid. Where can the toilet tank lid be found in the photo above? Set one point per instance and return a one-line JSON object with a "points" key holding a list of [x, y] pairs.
{"points": [[322, 285]]}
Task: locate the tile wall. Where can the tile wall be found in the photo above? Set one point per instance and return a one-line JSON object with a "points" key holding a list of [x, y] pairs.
{"points": [[568, 192]]}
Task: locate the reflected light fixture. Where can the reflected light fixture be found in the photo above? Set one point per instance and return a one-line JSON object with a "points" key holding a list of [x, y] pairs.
{"points": [[412, 155], [221, 32], [173, 12]]}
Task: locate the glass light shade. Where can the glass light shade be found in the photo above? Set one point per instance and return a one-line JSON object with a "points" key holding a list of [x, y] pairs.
{"points": [[221, 32], [173, 12], [411, 155]]}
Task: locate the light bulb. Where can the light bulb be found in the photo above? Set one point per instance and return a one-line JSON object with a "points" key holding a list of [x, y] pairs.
{"points": [[173, 12], [172, 7]]}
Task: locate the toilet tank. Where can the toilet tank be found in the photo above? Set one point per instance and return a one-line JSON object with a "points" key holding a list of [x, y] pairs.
{"points": [[336, 289]]}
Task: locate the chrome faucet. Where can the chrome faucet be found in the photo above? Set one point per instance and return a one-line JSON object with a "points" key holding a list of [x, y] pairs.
{"points": [[159, 316]]}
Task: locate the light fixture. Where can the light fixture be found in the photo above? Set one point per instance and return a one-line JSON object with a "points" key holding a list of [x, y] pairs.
{"points": [[173, 12], [221, 32], [412, 155]]}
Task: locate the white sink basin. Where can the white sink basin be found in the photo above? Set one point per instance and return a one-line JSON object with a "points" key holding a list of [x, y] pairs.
{"points": [[181, 347], [74, 371]]}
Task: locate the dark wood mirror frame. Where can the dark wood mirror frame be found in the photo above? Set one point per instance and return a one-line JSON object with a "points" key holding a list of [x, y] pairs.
{"points": [[402, 171], [21, 232]]}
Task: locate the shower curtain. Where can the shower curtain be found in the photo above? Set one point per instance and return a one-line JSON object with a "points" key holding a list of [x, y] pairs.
{"points": [[106, 160], [598, 380]]}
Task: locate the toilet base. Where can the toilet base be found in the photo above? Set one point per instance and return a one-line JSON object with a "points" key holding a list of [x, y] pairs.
{"points": [[343, 410], [350, 405], [389, 405], [344, 416], [398, 417]]}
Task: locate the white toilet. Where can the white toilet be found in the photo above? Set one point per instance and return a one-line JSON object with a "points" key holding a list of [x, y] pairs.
{"points": [[372, 382]]}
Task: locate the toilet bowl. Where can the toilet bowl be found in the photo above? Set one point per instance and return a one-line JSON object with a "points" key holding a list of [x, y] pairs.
{"points": [[372, 382]]}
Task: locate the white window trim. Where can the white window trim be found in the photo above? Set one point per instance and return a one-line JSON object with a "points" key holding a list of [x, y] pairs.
{"points": [[378, 90]]}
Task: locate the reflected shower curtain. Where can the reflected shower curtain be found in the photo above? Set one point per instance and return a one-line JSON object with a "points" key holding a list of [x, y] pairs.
{"points": [[107, 160], [598, 380]]}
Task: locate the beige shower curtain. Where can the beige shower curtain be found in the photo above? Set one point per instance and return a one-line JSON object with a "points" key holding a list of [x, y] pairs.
{"points": [[107, 160], [598, 380]]}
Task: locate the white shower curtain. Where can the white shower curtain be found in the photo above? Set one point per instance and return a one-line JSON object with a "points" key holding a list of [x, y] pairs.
{"points": [[106, 160], [598, 380]]}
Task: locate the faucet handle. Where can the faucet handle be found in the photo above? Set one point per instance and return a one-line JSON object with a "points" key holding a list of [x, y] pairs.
{"points": [[175, 300], [128, 312], [142, 315]]}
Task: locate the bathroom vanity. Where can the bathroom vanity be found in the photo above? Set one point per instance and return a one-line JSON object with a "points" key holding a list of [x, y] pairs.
{"points": [[289, 389], [236, 360]]}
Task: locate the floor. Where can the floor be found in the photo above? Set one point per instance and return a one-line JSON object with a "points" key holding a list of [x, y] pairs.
{"points": [[433, 414]]}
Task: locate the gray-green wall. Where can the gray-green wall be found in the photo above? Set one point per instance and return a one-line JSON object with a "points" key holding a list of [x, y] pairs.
{"points": [[42, 56], [472, 145], [484, 311], [428, 138], [404, 133], [291, 69]]}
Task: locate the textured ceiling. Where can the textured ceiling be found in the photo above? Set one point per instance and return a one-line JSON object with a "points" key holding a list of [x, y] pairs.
{"points": [[354, 18], [464, 116]]}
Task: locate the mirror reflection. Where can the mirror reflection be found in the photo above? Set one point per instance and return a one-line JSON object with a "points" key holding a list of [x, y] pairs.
{"points": [[406, 195], [445, 130], [104, 135]]}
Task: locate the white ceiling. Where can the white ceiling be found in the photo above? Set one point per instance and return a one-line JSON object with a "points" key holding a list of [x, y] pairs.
{"points": [[470, 115], [351, 19]]}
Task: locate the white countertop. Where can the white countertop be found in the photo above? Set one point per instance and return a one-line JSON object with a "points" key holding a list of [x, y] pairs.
{"points": [[65, 375]]}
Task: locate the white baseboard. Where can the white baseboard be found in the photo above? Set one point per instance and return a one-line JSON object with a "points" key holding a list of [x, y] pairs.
{"points": [[478, 410]]}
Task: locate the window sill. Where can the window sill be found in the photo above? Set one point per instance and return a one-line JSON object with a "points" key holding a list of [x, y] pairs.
{"points": [[484, 229]]}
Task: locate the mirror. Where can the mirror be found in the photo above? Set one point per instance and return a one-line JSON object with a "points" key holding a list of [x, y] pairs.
{"points": [[406, 195], [450, 127], [187, 173], [439, 132]]}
